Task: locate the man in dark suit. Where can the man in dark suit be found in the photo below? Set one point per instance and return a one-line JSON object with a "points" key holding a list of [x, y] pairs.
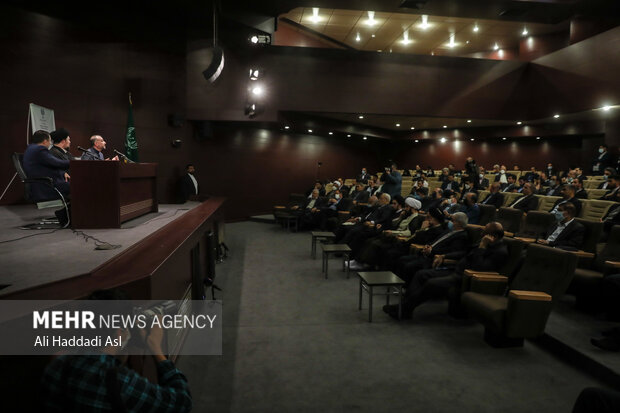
{"points": [[510, 186], [62, 142], [379, 216], [94, 153], [363, 177], [451, 184], [606, 174], [441, 280], [495, 197], [568, 195], [567, 233], [554, 187], [392, 181], [602, 160], [528, 202], [580, 193], [188, 185], [451, 244], [481, 182], [531, 175], [39, 162], [612, 189], [359, 194]]}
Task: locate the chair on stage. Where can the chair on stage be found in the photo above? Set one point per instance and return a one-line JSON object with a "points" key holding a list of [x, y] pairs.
{"points": [[60, 201]]}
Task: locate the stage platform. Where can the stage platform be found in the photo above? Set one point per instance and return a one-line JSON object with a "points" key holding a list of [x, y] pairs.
{"points": [[31, 258]]}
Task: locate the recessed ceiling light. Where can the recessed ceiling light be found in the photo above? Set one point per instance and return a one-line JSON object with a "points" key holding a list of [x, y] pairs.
{"points": [[476, 28], [358, 38], [398, 124], [442, 140], [257, 90], [467, 42], [416, 141], [365, 138], [538, 138], [331, 133], [503, 139], [315, 18], [309, 130], [413, 127], [556, 116], [606, 108], [287, 127], [424, 24], [468, 120], [496, 47], [472, 139], [519, 123], [524, 32], [452, 42], [445, 126], [348, 136], [372, 35], [361, 116], [371, 19]]}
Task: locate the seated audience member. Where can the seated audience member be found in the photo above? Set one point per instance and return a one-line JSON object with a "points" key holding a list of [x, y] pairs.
{"points": [[467, 186], [444, 281], [309, 203], [531, 175], [612, 188], [566, 233], [471, 168], [337, 203], [310, 212], [516, 168], [368, 212], [470, 208], [430, 171], [363, 176], [495, 197], [335, 188], [580, 192], [373, 186], [501, 176], [579, 174], [568, 195], [359, 194], [318, 185], [344, 189], [101, 382], [528, 202], [510, 185], [544, 179], [611, 218], [482, 182], [94, 152], [188, 188], [452, 244], [406, 172], [381, 215], [444, 175], [376, 249], [606, 174], [433, 200], [62, 142], [554, 187], [421, 182], [520, 183], [550, 170], [451, 184], [38, 162]]}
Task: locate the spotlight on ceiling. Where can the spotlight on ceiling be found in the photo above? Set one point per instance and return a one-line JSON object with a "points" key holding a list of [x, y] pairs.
{"points": [[503, 139], [413, 127], [472, 139], [371, 19], [424, 24], [443, 140], [358, 38], [309, 130], [257, 91], [606, 108], [445, 126], [315, 18], [476, 28], [254, 74], [331, 133], [348, 136], [468, 120], [416, 141], [365, 138], [495, 46], [398, 125], [519, 123], [287, 127], [524, 32], [556, 115], [361, 116], [538, 138]]}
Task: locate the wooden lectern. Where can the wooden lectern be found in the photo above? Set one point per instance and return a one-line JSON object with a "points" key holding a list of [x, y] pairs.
{"points": [[106, 193]]}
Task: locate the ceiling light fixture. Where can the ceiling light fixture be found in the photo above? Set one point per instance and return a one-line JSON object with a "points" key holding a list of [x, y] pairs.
{"points": [[371, 19], [348, 136], [365, 138], [358, 38], [361, 116], [331, 133], [556, 116], [254, 73], [398, 125], [524, 32], [309, 130], [472, 139], [503, 139], [519, 123], [476, 28], [468, 120], [372, 35], [424, 24], [416, 141], [287, 127], [496, 47], [257, 90], [538, 138], [606, 108], [413, 127], [451, 43], [315, 18], [442, 140], [445, 126]]}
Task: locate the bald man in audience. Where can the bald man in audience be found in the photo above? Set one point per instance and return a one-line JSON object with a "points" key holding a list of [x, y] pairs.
{"points": [[528, 202], [495, 197]]}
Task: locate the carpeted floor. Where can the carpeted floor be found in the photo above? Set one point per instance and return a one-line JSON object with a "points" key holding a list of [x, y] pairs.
{"points": [[295, 342]]}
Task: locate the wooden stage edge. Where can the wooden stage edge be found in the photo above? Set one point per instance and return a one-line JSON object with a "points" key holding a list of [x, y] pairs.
{"points": [[159, 267]]}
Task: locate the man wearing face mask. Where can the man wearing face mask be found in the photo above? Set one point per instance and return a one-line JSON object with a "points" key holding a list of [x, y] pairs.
{"points": [[39, 162], [483, 183], [554, 187], [441, 281], [566, 233], [602, 160], [502, 178], [568, 195], [363, 177], [606, 174]]}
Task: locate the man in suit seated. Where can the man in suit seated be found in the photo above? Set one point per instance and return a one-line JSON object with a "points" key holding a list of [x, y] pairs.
{"points": [[554, 186], [482, 182], [450, 184], [567, 233], [38, 162], [528, 202], [568, 195], [495, 197], [381, 215], [94, 153], [359, 195], [606, 174], [443, 280], [580, 192], [510, 186], [62, 142], [612, 188], [452, 244], [531, 175]]}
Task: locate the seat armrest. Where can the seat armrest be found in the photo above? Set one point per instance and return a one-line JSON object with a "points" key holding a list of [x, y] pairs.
{"points": [[449, 261], [402, 238], [613, 264], [475, 226], [493, 284], [490, 277], [509, 234], [526, 240], [470, 273], [279, 207], [583, 254], [529, 295], [341, 213], [417, 247]]}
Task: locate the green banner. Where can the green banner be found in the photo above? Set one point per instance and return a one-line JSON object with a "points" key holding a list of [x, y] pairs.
{"points": [[131, 143]]}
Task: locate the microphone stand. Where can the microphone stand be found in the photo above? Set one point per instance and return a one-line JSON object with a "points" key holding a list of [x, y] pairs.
{"points": [[122, 155]]}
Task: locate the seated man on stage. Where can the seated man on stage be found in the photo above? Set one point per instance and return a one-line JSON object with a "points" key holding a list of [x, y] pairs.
{"points": [[439, 281], [39, 162], [62, 142], [94, 152]]}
